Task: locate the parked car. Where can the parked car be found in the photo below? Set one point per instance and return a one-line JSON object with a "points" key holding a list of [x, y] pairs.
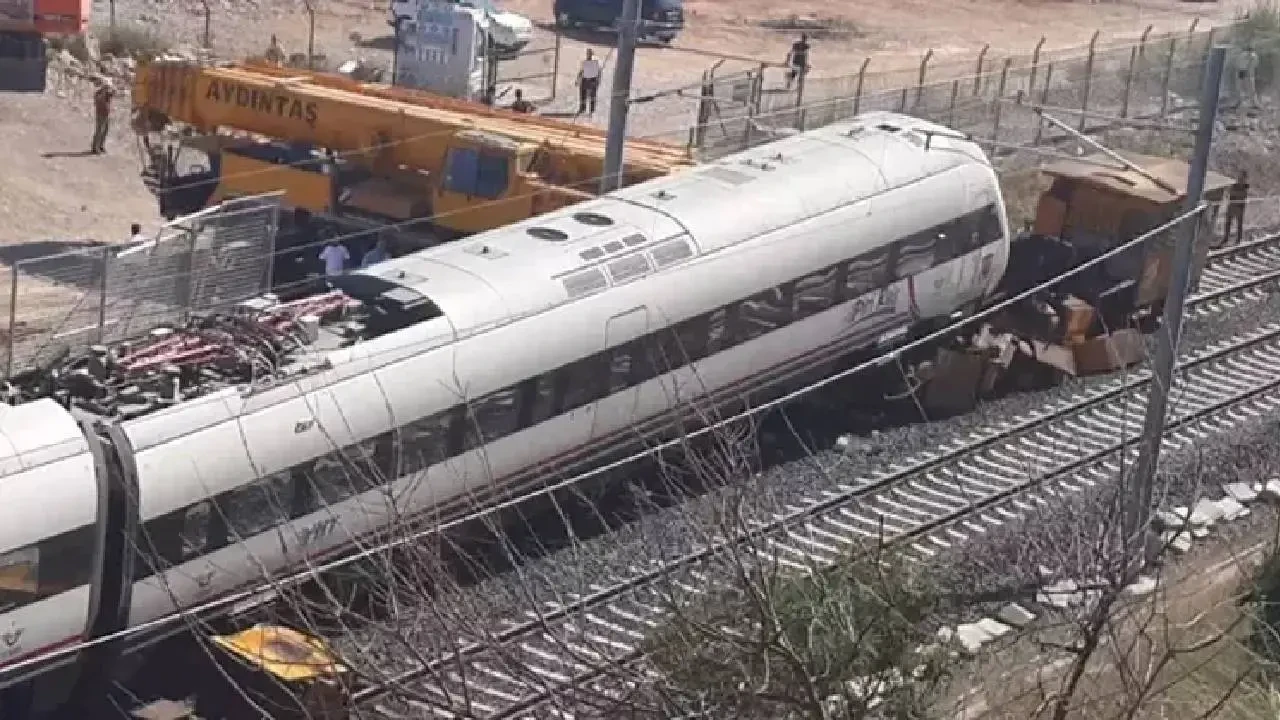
{"points": [[659, 19]]}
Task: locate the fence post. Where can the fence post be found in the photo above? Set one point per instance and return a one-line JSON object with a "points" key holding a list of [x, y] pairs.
{"points": [[1088, 78], [902, 104], [311, 34], [1035, 65], [924, 67], [1142, 41], [951, 111], [112, 20], [1044, 101], [753, 105], [13, 319], [995, 121], [208, 19], [1168, 76], [555, 66], [977, 75], [857, 94], [1128, 81], [102, 294]]}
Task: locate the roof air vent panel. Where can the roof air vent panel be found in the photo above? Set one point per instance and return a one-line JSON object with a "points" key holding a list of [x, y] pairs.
{"points": [[585, 282], [594, 253], [548, 234], [595, 219]]}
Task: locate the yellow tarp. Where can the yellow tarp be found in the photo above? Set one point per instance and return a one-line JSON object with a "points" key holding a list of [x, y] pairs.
{"points": [[283, 652]]}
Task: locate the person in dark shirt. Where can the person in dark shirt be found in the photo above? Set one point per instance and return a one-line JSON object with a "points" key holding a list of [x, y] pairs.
{"points": [[1236, 199], [521, 105], [798, 59], [102, 97]]}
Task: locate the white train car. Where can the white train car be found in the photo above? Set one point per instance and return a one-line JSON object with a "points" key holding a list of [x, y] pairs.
{"points": [[541, 347]]}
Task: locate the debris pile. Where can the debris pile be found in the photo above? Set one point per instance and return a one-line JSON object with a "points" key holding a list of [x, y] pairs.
{"points": [[259, 340]]}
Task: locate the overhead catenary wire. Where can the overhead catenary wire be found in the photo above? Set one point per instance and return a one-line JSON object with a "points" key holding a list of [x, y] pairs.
{"points": [[273, 586]]}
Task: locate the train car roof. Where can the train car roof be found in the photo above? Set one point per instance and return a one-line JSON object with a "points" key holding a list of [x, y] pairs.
{"points": [[804, 176], [36, 433], [1103, 172], [542, 262]]}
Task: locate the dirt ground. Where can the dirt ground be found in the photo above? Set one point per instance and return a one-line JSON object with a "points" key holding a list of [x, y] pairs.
{"points": [[50, 193]]}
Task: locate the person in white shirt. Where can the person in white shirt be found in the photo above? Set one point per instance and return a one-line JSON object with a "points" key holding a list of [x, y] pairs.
{"points": [[335, 257], [588, 83]]}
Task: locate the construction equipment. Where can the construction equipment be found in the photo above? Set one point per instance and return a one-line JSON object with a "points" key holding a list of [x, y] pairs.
{"points": [[1093, 321], [23, 27], [361, 155]]}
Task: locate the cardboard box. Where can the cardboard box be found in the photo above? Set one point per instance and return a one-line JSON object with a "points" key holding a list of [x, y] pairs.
{"points": [[1079, 318], [1109, 352]]}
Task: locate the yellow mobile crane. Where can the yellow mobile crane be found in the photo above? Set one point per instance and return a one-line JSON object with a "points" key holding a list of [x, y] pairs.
{"points": [[362, 155]]}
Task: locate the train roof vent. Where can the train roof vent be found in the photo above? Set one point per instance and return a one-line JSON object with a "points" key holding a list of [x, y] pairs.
{"points": [[548, 234], [486, 251], [593, 219], [590, 254], [630, 267], [888, 128], [671, 252], [634, 239], [726, 175], [585, 282]]}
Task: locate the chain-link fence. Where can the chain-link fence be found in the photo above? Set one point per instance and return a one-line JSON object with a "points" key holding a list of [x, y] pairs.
{"points": [[995, 99], [535, 69], [59, 303]]}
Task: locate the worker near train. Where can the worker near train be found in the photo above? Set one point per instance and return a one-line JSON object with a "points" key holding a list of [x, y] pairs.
{"points": [[335, 257], [589, 83], [798, 60], [103, 94], [376, 254], [1237, 198]]}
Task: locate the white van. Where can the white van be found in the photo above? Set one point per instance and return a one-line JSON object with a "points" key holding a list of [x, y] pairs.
{"points": [[511, 32]]}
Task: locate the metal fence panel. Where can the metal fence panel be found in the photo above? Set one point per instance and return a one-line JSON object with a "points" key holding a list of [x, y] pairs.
{"points": [[66, 302]]}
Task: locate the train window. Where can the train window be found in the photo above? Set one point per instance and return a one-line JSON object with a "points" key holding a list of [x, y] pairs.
{"points": [[329, 480], [201, 532], [370, 462], [494, 416], [585, 381], [917, 253], [764, 312], [720, 326], [160, 545], [259, 506], [869, 271], [538, 403], [989, 228], [625, 365], [19, 577], [816, 292], [690, 342], [424, 442]]}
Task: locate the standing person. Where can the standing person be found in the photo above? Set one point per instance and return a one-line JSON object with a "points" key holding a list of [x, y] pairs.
{"points": [[377, 253], [102, 97], [1247, 77], [275, 54], [335, 257], [521, 105], [1236, 199], [798, 59], [588, 83]]}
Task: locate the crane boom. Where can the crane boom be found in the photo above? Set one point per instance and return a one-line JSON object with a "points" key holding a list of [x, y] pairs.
{"points": [[413, 145]]}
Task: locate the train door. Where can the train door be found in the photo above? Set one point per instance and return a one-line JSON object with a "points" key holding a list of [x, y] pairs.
{"points": [[621, 404]]}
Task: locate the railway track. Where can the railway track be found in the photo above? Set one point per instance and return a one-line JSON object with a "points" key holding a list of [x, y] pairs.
{"points": [[931, 502]]}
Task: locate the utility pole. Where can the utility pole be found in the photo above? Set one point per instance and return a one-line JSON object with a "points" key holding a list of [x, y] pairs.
{"points": [[1138, 512], [620, 97]]}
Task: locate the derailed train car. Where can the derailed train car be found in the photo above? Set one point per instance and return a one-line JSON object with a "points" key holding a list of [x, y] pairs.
{"points": [[189, 464], [159, 475]]}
